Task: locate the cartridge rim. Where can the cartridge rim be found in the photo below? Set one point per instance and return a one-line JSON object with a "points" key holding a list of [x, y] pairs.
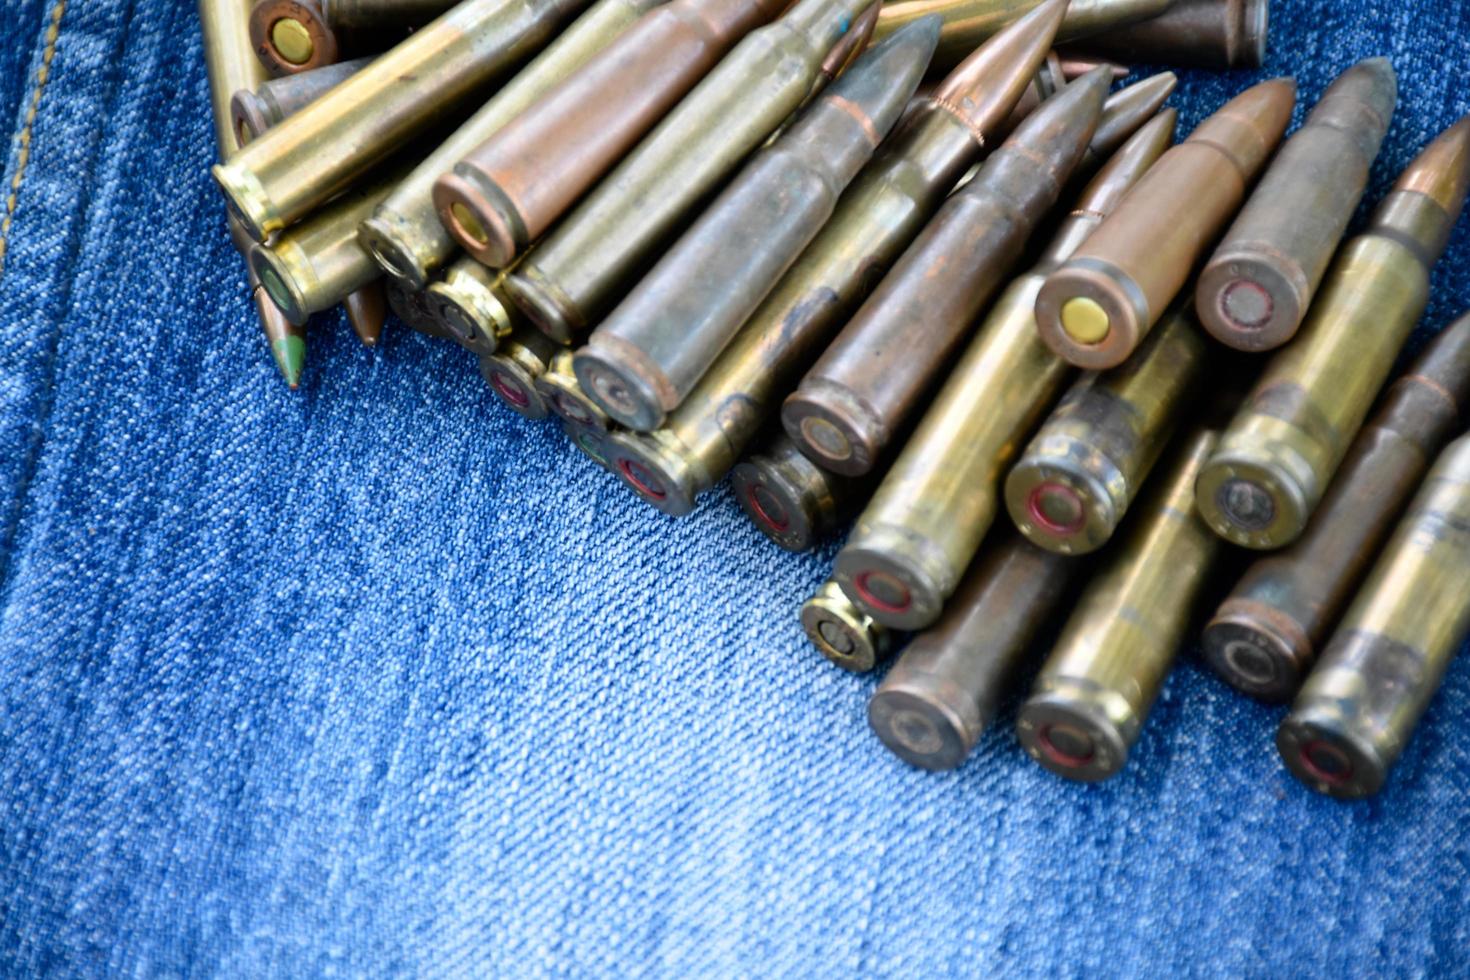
{"points": [[1251, 302], [248, 115], [832, 428], [1073, 738], [622, 382], [280, 278], [838, 635], [292, 36], [513, 385], [1091, 314], [1324, 753], [1257, 650], [570, 403], [918, 723], [480, 218], [884, 582], [472, 316], [651, 472], [774, 504], [247, 201], [391, 253], [1251, 502], [1042, 495]]}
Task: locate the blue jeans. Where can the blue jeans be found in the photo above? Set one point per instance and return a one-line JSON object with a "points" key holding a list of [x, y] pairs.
{"points": [[378, 677]]}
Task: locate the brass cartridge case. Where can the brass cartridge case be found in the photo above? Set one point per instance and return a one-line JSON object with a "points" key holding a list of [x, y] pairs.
{"points": [[792, 500], [875, 219], [423, 82], [511, 372], [645, 357], [1266, 634], [1361, 703], [1071, 487], [1280, 452], [944, 690], [407, 234], [1094, 692], [841, 632]]}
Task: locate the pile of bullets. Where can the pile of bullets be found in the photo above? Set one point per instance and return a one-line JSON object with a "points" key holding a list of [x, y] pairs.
{"points": [[780, 241]]}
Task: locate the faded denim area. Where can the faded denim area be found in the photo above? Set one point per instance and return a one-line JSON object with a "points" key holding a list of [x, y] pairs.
{"points": [[379, 678]]}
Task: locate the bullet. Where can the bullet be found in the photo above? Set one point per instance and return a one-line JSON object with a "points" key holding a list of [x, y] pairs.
{"points": [[1266, 635], [1360, 704], [1077, 477], [253, 111], [792, 500], [315, 265], [645, 357], [1212, 34], [878, 215], [573, 277], [591, 442], [293, 36], [406, 234], [231, 65], [471, 305], [1096, 309], [511, 372], [968, 23], [367, 308], [914, 540], [1255, 289], [324, 148], [566, 399], [842, 633], [846, 51], [874, 376], [505, 191], [414, 308], [1095, 690], [1280, 452], [946, 686]]}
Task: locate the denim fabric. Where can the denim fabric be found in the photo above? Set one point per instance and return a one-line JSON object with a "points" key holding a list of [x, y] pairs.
{"points": [[377, 678]]}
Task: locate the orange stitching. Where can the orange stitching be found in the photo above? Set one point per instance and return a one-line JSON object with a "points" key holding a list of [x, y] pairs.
{"points": [[43, 75]]}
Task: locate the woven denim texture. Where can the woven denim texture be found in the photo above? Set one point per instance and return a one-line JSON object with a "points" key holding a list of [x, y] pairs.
{"points": [[377, 678]]}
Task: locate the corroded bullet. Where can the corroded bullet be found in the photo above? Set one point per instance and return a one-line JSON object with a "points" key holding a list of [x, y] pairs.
{"points": [[875, 375], [313, 266], [1216, 34], [1359, 706], [566, 399], [1096, 309], [511, 372], [875, 219], [792, 500], [1081, 471], [324, 148], [232, 66], [645, 357], [508, 189], [841, 632], [1095, 690], [471, 304], [1281, 450], [573, 277], [367, 308], [1255, 290], [968, 23], [1265, 636], [944, 690], [406, 234], [414, 308], [921, 530], [293, 36], [253, 111]]}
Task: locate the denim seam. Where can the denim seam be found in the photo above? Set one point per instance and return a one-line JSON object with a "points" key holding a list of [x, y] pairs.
{"points": [[43, 75]]}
